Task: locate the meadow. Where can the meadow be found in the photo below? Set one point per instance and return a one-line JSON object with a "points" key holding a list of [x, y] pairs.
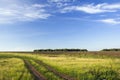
{"points": [[100, 65]]}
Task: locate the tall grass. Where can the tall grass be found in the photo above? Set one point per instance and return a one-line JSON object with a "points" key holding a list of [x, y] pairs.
{"points": [[13, 69], [86, 68]]}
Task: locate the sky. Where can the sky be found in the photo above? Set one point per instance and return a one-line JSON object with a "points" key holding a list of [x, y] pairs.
{"points": [[26, 25]]}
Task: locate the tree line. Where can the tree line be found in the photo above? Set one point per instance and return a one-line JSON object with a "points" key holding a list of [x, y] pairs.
{"points": [[114, 49], [41, 50]]}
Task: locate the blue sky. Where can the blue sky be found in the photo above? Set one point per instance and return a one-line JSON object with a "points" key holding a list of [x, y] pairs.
{"points": [[36, 24]]}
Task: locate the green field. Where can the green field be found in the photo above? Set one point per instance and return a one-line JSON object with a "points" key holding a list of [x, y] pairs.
{"points": [[60, 66]]}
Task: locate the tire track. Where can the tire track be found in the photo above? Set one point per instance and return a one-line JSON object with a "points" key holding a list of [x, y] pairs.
{"points": [[36, 74], [61, 75]]}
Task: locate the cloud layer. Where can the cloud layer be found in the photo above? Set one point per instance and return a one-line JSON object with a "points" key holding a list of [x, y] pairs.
{"points": [[18, 11], [93, 9], [27, 12], [110, 21]]}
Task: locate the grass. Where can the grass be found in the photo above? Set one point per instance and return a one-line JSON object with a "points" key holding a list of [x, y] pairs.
{"points": [[82, 66], [13, 69], [86, 68]]}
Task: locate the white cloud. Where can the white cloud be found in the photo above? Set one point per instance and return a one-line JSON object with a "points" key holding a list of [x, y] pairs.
{"points": [[93, 9], [112, 6], [61, 1], [110, 21], [39, 5], [27, 12]]}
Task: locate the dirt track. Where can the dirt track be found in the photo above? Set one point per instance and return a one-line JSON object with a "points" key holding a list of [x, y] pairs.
{"points": [[61, 75], [36, 74]]}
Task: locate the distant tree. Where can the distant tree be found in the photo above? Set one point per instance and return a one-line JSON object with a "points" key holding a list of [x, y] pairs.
{"points": [[50, 50], [114, 49]]}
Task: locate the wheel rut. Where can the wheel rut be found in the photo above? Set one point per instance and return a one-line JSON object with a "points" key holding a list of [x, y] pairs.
{"points": [[61, 75], [37, 75]]}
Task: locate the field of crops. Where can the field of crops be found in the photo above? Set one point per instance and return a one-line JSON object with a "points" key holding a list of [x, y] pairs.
{"points": [[60, 66]]}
